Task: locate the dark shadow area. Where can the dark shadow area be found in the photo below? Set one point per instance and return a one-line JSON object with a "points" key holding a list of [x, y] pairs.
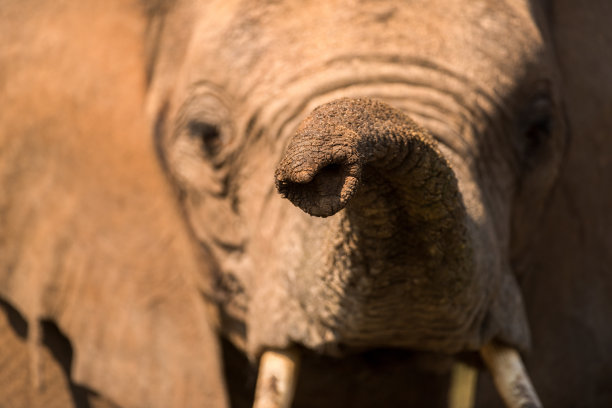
{"points": [[240, 376], [377, 378], [17, 322], [61, 350]]}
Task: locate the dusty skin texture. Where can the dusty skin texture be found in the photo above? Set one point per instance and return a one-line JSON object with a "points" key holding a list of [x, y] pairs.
{"points": [[566, 274], [38, 379], [332, 284], [139, 211], [404, 218], [90, 235], [27, 383]]}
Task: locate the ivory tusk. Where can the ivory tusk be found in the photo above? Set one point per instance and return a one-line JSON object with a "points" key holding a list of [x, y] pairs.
{"points": [[509, 376], [276, 379], [463, 386]]}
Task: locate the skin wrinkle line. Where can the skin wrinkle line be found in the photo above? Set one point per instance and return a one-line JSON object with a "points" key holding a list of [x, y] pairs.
{"points": [[429, 117], [428, 68], [404, 102], [280, 132], [349, 83], [396, 60], [301, 113], [303, 107]]}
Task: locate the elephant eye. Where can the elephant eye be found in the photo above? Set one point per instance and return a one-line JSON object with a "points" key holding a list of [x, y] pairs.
{"points": [[208, 136], [198, 147], [537, 133], [538, 126]]}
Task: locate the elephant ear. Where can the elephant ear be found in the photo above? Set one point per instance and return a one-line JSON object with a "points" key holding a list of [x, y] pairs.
{"points": [[567, 280], [90, 236]]}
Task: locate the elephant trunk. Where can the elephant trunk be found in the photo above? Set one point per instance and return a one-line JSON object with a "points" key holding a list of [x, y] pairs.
{"points": [[347, 141], [405, 268], [404, 220]]}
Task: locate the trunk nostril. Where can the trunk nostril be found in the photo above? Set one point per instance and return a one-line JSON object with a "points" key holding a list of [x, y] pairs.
{"points": [[329, 180], [323, 193]]}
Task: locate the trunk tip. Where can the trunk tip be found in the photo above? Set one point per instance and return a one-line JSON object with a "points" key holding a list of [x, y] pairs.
{"points": [[321, 193]]}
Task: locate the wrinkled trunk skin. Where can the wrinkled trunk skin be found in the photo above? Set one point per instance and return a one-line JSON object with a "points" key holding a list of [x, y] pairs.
{"points": [[397, 265]]}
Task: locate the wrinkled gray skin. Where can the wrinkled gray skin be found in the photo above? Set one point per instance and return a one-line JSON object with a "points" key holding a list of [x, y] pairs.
{"points": [[231, 82], [94, 245]]}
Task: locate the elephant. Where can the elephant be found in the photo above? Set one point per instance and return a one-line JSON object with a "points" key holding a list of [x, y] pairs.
{"points": [[279, 203]]}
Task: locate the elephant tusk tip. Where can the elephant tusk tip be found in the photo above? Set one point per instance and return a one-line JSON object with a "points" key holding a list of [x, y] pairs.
{"points": [[276, 378], [510, 377]]}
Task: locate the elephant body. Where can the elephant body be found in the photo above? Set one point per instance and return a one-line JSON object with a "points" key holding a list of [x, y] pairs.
{"points": [[430, 153]]}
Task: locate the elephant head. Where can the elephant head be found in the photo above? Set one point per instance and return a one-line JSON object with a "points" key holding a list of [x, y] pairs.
{"points": [[299, 178], [408, 232]]}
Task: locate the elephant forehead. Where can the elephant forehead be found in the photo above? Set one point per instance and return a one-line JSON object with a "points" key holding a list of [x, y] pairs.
{"points": [[269, 41]]}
